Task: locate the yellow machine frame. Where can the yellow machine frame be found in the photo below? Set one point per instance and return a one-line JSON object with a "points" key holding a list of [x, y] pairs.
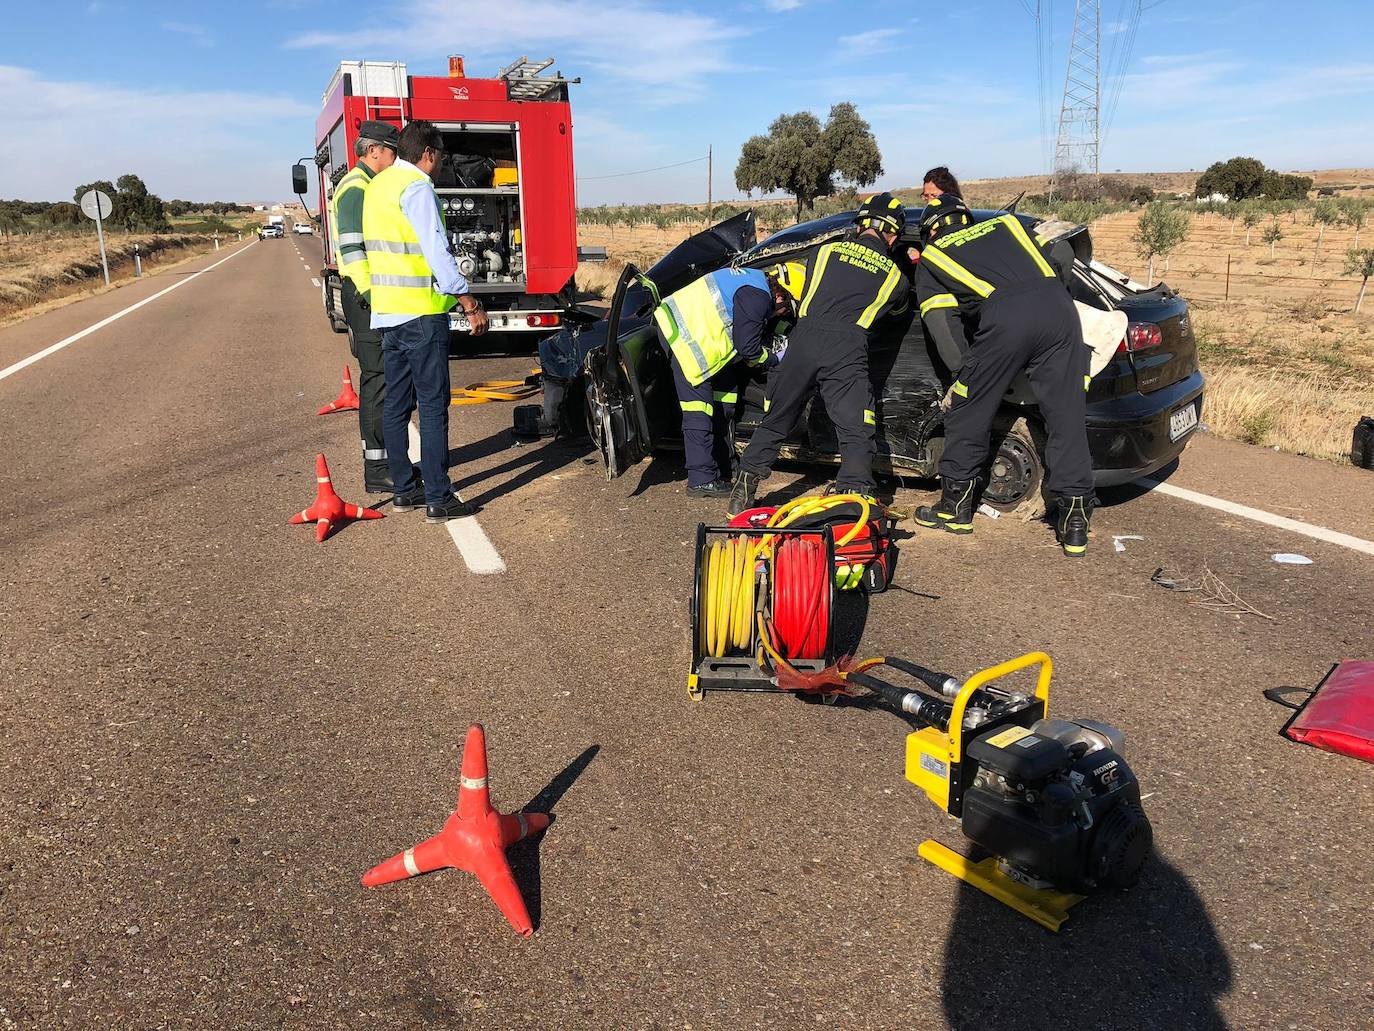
{"points": [[933, 763]]}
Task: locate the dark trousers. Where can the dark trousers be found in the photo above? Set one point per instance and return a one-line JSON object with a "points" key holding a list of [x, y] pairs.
{"points": [[708, 416], [833, 359], [415, 355], [1036, 329], [366, 345]]}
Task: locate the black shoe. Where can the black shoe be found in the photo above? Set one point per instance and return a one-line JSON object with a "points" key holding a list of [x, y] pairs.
{"points": [[377, 477], [742, 492], [1071, 524], [714, 489], [454, 508], [954, 510], [409, 501]]}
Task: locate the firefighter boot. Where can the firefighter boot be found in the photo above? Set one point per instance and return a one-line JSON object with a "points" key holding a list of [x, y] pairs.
{"points": [[377, 476], [1071, 524], [954, 510], [742, 492]]}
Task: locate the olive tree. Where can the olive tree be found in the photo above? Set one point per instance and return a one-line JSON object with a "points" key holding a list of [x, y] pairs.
{"points": [[1160, 230], [1272, 235], [801, 157], [1324, 214], [1353, 214], [1360, 262], [1249, 218]]}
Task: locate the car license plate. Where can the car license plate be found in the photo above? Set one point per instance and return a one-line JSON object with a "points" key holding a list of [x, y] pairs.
{"points": [[1183, 421], [458, 323]]}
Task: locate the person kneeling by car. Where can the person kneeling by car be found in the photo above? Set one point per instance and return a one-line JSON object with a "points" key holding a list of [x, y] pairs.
{"points": [[1014, 290], [714, 330]]}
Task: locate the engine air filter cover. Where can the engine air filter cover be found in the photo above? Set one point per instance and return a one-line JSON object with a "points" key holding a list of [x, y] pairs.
{"points": [[1019, 754]]}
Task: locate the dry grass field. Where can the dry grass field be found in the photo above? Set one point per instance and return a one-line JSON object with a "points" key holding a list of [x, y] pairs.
{"points": [[1289, 364]]}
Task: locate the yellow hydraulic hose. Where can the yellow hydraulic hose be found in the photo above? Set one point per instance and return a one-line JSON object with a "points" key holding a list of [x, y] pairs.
{"points": [[726, 608]]}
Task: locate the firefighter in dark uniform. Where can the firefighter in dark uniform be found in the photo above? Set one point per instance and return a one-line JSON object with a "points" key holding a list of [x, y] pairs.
{"points": [[851, 285], [1011, 292], [375, 150]]}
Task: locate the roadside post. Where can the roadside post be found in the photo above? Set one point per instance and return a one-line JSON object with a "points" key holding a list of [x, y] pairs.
{"points": [[1228, 278], [138, 263], [97, 205], [216, 240]]}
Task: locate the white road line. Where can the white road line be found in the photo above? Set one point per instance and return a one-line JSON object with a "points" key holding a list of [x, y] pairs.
{"points": [[24, 363], [471, 540], [1319, 533], [315, 282]]}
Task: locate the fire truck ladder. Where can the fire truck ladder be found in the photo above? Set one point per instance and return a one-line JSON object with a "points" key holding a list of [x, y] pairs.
{"points": [[523, 81]]}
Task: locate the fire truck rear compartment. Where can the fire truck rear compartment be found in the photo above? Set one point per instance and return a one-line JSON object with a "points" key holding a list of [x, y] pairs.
{"points": [[481, 206]]}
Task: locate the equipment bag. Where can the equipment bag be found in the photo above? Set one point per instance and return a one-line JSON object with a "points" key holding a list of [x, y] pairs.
{"points": [[1338, 714], [869, 560]]}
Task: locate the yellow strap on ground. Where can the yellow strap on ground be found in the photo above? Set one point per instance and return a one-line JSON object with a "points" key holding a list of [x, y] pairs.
{"points": [[482, 391]]}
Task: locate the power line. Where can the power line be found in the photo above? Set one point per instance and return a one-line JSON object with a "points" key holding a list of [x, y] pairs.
{"points": [[642, 171]]}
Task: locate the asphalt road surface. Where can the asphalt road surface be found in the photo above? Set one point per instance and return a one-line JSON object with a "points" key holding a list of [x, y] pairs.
{"points": [[212, 726]]}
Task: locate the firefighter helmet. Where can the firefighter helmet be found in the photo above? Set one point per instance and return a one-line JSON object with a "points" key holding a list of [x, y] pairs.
{"points": [[791, 276], [882, 212], [942, 212]]}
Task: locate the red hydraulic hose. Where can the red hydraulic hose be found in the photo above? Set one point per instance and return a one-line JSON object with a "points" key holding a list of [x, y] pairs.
{"points": [[801, 599]]}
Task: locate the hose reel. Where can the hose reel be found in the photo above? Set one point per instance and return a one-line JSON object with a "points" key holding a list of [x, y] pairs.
{"points": [[761, 597]]}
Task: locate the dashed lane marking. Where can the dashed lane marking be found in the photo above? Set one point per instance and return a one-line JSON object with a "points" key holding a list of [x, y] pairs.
{"points": [[1319, 533], [24, 363], [471, 540], [314, 281]]}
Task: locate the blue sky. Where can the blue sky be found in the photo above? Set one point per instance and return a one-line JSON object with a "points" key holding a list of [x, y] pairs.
{"points": [[214, 101]]}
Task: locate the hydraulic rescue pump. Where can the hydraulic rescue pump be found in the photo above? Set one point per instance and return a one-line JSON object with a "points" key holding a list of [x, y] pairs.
{"points": [[1052, 802]]}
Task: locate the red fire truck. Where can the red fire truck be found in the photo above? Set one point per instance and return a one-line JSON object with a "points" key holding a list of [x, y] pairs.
{"points": [[506, 184]]}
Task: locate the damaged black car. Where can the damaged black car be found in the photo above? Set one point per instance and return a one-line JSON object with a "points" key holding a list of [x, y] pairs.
{"points": [[1142, 406]]}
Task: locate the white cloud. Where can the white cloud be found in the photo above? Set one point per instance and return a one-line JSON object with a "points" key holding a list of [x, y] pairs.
{"points": [[203, 145], [664, 52], [197, 34], [874, 41], [782, 5]]}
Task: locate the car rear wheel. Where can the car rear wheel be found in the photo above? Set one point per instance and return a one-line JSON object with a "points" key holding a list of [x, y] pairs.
{"points": [[1016, 470]]}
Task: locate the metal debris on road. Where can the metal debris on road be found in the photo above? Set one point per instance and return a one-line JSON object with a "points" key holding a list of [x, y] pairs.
{"points": [[1116, 541], [1212, 590]]}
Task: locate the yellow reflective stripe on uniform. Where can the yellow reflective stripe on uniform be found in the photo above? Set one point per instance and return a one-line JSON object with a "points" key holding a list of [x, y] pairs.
{"points": [[821, 259], [1019, 231], [884, 294], [1087, 382], [767, 404], [697, 406], [960, 389], [726, 397], [938, 301], [954, 270], [870, 418]]}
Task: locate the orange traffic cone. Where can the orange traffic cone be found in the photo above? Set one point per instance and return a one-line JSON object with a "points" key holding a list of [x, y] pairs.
{"points": [[329, 510], [474, 838], [346, 401]]}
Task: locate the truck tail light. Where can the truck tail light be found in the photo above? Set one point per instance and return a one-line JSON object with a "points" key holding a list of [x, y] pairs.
{"points": [[542, 321], [1140, 336]]}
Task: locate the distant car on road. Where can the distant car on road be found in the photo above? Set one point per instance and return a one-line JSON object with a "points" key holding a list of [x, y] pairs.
{"points": [[270, 230], [1142, 408], [302, 228]]}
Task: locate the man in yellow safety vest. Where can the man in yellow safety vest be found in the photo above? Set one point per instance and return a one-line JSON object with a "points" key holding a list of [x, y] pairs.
{"points": [[714, 330], [376, 150], [415, 284]]}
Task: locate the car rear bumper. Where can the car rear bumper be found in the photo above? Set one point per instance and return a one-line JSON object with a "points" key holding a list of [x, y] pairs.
{"points": [[1129, 436]]}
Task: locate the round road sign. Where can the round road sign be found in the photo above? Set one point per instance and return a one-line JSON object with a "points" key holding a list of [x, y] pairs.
{"points": [[93, 201]]}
